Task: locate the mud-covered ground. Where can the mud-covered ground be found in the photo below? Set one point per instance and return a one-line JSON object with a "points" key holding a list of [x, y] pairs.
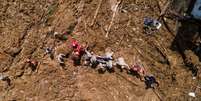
{"points": [[26, 28]]}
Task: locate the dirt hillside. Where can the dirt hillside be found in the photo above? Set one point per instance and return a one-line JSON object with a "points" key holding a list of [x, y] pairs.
{"points": [[26, 28]]}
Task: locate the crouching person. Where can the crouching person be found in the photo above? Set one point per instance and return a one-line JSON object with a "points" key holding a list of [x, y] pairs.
{"points": [[94, 61], [106, 65], [120, 63], [109, 66], [138, 71], [151, 82], [106, 62], [87, 57], [78, 52]]}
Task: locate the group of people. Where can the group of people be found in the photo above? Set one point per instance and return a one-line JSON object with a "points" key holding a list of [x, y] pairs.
{"points": [[81, 55]]}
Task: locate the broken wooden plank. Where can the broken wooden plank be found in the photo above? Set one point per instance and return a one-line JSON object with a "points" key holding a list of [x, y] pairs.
{"points": [[96, 13], [113, 16]]}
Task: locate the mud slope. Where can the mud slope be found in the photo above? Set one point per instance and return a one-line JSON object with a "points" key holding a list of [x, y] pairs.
{"points": [[26, 28]]}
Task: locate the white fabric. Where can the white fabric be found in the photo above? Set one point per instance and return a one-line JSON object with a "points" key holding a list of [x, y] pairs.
{"points": [[192, 94], [109, 55], [157, 24], [56, 33], [109, 64], [93, 59], [87, 55], [121, 62]]}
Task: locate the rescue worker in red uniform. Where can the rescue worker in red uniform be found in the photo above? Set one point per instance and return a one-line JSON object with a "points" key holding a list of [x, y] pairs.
{"points": [[78, 51], [138, 71]]}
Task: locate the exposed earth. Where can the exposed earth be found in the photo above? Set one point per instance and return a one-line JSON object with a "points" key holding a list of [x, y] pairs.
{"points": [[26, 28]]}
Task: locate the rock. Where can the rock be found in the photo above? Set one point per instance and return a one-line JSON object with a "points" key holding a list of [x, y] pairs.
{"points": [[13, 51], [191, 57], [5, 61]]}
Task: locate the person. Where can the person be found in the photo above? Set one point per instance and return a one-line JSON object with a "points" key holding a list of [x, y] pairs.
{"points": [[94, 61], [78, 51], [109, 65], [60, 59], [150, 81], [106, 61], [75, 44], [86, 57], [105, 65], [49, 51], [32, 63], [77, 48], [106, 57], [120, 62], [137, 69], [151, 23]]}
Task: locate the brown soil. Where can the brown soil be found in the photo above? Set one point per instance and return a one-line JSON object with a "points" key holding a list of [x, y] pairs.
{"points": [[26, 28]]}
